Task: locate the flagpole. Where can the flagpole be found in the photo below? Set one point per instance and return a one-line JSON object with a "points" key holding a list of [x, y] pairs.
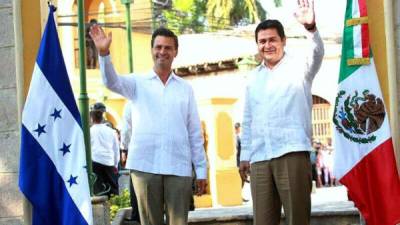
{"points": [[392, 84], [83, 97], [127, 4]]}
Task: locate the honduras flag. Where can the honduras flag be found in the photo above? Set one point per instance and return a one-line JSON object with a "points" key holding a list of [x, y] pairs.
{"points": [[53, 173]]}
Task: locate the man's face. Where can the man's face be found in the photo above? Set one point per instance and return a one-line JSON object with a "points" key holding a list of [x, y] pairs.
{"points": [[163, 51], [270, 46]]}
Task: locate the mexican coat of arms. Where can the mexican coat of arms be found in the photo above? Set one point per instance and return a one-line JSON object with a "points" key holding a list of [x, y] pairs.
{"points": [[358, 117]]}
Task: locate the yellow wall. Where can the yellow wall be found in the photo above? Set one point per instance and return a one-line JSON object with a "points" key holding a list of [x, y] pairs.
{"points": [[224, 179], [142, 61], [378, 44], [31, 32], [116, 12]]}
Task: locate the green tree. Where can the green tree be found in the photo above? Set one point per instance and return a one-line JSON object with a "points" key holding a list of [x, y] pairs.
{"points": [[195, 16], [224, 13], [186, 16], [218, 13], [278, 3]]}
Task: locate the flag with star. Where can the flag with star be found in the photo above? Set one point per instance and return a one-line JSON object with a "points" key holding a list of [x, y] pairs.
{"points": [[364, 157], [53, 174]]}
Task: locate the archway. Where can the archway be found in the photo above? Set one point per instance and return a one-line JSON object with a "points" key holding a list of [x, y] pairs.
{"points": [[321, 119]]}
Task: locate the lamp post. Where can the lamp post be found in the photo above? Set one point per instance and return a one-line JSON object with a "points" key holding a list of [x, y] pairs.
{"points": [[127, 4], [83, 96]]}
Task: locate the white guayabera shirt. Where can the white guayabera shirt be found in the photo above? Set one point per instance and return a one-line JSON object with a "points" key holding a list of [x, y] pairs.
{"points": [[166, 134], [278, 101]]}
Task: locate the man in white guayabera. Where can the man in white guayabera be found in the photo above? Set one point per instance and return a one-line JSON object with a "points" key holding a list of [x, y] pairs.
{"points": [[276, 125], [166, 133]]}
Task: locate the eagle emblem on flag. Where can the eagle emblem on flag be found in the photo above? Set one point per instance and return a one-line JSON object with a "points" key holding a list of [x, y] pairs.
{"points": [[357, 116]]}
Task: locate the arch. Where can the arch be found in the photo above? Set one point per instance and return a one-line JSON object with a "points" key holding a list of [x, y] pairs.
{"points": [[112, 116], [321, 119]]}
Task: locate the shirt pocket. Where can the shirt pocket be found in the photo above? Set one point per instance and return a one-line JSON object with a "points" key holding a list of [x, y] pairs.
{"points": [[179, 102]]}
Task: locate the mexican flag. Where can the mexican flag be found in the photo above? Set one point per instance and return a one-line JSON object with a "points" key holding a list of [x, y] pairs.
{"points": [[364, 158]]}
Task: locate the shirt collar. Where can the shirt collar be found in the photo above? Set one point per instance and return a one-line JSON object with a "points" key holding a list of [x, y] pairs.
{"points": [[152, 75], [263, 66]]}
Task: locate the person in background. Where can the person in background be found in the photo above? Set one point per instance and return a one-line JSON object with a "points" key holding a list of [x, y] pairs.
{"points": [[238, 148], [91, 51], [238, 145], [313, 159], [329, 178], [105, 154], [319, 163], [126, 133]]}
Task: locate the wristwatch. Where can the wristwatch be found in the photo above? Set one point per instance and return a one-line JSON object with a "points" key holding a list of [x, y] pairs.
{"points": [[310, 27]]}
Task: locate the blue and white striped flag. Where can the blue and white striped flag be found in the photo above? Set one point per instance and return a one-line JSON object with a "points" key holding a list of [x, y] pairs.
{"points": [[53, 173]]}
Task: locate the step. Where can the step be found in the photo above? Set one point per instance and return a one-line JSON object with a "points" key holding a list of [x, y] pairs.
{"points": [[334, 213], [329, 213]]}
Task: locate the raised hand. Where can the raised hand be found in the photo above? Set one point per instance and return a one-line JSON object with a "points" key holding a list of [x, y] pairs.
{"points": [[101, 40], [305, 14]]}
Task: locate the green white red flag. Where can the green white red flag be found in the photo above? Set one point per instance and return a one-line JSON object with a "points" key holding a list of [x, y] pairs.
{"points": [[364, 158]]}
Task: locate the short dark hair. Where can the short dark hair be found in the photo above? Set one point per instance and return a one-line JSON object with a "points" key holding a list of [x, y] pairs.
{"points": [[97, 116], [237, 125], [99, 106], [270, 24], [162, 31], [93, 21]]}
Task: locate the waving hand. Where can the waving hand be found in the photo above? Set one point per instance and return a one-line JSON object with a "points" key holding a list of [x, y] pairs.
{"points": [[305, 13], [101, 40]]}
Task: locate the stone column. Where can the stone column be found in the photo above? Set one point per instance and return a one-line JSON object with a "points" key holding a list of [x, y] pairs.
{"points": [[396, 8], [101, 210], [224, 179], [11, 207]]}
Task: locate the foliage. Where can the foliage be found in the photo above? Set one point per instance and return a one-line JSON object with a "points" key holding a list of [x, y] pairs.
{"points": [[278, 3], [224, 13], [118, 202], [261, 11], [244, 10], [187, 16], [218, 13], [196, 16]]}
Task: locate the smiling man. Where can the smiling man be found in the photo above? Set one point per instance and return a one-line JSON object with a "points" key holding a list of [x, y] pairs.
{"points": [[166, 133], [276, 138]]}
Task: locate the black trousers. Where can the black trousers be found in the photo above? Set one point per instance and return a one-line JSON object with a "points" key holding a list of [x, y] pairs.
{"points": [[105, 183], [134, 204]]}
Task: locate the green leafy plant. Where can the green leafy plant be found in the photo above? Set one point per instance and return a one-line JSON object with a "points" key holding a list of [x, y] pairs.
{"points": [[118, 202]]}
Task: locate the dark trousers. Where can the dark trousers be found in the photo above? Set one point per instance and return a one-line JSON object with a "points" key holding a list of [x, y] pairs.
{"points": [[105, 183], [160, 195], [282, 181], [134, 204], [314, 172]]}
